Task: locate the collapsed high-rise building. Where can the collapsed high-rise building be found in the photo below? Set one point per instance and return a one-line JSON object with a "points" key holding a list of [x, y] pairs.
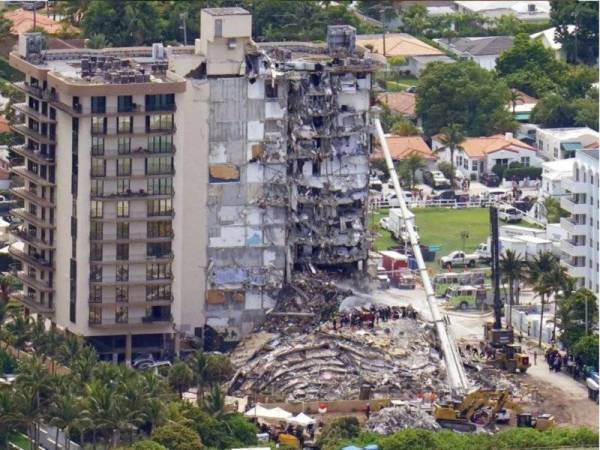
{"points": [[173, 192]]}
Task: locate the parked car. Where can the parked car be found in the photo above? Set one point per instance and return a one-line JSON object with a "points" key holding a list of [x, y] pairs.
{"points": [[490, 179], [435, 179], [459, 258], [375, 183], [392, 199], [509, 214], [411, 89], [445, 196]]}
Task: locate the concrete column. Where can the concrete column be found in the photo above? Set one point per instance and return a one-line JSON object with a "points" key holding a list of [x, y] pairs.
{"points": [[128, 345], [177, 344]]}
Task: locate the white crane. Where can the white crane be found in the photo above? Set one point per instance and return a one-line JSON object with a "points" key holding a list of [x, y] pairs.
{"points": [[457, 379]]}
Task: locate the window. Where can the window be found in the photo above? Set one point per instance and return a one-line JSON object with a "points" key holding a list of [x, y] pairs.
{"points": [[124, 145], [502, 162], [218, 27], [125, 103], [160, 144], [97, 188], [96, 209], [160, 102], [95, 252], [160, 186], [159, 229], [96, 230], [95, 294], [123, 208], [157, 293], [122, 294], [159, 122], [122, 230], [98, 125], [97, 146], [122, 252], [123, 186], [466, 163], [95, 315], [270, 89], [474, 165], [158, 249], [98, 105], [525, 160], [158, 271], [123, 167], [95, 272], [121, 314], [159, 165], [98, 167], [122, 272], [159, 207], [124, 124]]}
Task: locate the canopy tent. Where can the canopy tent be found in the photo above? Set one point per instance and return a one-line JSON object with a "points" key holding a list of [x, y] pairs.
{"points": [[301, 419], [266, 413]]}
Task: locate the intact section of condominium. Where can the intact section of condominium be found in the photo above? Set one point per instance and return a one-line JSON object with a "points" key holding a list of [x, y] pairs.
{"points": [[172, 192]]}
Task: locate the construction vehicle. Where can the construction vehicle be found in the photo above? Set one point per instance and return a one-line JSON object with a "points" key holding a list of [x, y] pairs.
{"points": [[542, 422]]}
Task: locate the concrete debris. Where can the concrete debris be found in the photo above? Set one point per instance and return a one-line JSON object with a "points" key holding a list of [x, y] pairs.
{"points": [[389, 420], [394, 359]]}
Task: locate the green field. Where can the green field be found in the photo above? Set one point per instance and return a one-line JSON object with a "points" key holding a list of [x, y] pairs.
{"points": [[440, 226]]}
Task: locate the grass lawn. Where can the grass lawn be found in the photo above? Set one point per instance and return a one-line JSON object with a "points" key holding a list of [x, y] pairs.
{"points": [[401, 83], [440, 226], [20, 440]]}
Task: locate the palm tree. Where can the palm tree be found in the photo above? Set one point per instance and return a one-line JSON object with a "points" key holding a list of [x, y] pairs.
{"points": [[511, 265], [10, 413], [84, 364], [214, 403], [97, 41], [63, 413], [539, 275], [414, 162], [563, 286], [67, 352], [19, 329], [513, 98], [180, 377], [199, 367], [7, 283], [99, 404], [452, 137], [404, 128]]}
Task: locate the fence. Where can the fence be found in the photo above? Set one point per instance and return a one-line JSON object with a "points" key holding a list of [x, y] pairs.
{"points": [[375, 204]]}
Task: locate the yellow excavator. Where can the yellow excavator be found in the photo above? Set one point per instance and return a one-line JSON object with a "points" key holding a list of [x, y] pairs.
{"points": [[507, 355], [480, 408]]}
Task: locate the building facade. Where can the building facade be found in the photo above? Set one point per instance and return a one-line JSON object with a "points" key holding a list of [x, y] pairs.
{"points": [[563, 143], [581, 247], [173, 192]]}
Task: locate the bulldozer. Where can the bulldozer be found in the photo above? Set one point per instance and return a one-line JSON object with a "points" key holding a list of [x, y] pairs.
{"points": [[507, 355]]}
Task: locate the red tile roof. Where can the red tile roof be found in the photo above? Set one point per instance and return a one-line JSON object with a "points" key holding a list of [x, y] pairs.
{"points": [[403, 146], [22, 22]]}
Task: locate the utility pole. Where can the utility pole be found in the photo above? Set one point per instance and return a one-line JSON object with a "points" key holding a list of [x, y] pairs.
{"points": [[382, 17], [183, 17]]}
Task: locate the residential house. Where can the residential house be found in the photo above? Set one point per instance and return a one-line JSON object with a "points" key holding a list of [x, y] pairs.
{"points": [[548, 39], [483, 50], [397, 44], [563, 143], [480, 154], [22, 22], [529, 11], [401, 147], [581, 247], [523, 107], [401, 103], [417, 64]]}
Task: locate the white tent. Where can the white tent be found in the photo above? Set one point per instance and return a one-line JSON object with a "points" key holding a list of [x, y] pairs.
{"points": [[301, 419], [266, 413]]}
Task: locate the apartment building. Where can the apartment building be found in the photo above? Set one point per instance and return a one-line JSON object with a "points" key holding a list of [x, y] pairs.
{"points": [[581, 200], [563, 143], [173, 192]]}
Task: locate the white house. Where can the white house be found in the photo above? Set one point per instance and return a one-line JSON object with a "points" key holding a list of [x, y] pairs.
{"points": [[483, 50], [563, 143], [548, 39], [522, 10], [480, 154]]}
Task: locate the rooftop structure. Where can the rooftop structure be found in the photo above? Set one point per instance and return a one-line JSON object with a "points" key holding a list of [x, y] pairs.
{"points": [[548, 39], [22, 22], [522, 10], [402, 103], [403, 146], [562, 143], [397, 44], [483, 50]]}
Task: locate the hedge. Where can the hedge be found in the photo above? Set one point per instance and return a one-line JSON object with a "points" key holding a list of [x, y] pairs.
{"points": [[518, 173]]}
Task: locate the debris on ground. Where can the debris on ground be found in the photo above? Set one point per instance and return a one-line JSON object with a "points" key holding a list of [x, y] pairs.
{"points": [[396, 358], [389, 420]]}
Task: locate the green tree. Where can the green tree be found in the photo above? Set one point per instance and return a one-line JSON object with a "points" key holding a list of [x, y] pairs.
{"points": [[462, 93], [218, 369], [338, 430], [412, 163], [10, 413], [7, 284], [582, 43], [511, 267], [414, 19], [452, 138], [147, 444], [175, 436], [97, 40], [562, 286], [572, 315], [553, 210], [405, 127], [180, 377], [63, 413], [587, 111], [539, 276], [586, 348], [514, 97], [554, 111]]}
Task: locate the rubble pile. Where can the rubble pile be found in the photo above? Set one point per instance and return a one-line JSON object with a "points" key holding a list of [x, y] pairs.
{"points": [[394, 359], [390, 420]]}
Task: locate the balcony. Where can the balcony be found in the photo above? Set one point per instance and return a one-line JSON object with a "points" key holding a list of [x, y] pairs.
{"points": [[130, 195], [26, 87], [137, 259], [134, 154], [22, 171], [38, 261], [132, 238], [111, 283], [134, 110], [31, 218], [147, 324], [30, 112], [34, 155], [576, 271], [573, 249], [136, 218], [31, 302], [568, 203], [138, 132], [28, 132], [39, 285], [26, 194], [576, 187], [572, 227], [31, 239]]}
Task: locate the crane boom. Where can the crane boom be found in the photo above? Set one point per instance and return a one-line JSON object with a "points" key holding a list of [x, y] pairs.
{"points": [[457, 378]]}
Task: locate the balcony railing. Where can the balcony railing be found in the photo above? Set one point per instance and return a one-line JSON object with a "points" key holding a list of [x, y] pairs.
{"points": [[130, 195], [31, 302], [22, 171], [34, 155], [131, 238], [133, 153], [30, 112], [33, 134], [35, 260], [39, 285], [32, 239], [32, 218], [25, 193]]}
